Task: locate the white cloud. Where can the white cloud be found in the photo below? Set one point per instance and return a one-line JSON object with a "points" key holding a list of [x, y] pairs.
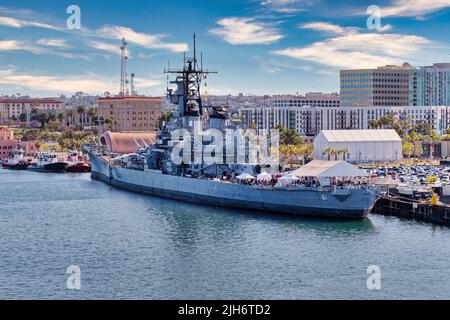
{"points": [[353, 49], [413, 8], [16, 23], [58, 43], [21, 45], [246, 31], [146, 83], [145, 56], [287, 6], [143, 39], [151, 41], [323, 26], [115, 49], [332, 28], [66, 84]]}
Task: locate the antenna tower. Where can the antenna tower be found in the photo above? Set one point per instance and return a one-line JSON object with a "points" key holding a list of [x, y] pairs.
{"points": [[132, 88], [123, 68]]}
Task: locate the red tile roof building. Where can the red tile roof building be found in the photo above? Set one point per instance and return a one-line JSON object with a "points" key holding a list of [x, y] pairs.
{"points": [[14, 107], [8, 144]]}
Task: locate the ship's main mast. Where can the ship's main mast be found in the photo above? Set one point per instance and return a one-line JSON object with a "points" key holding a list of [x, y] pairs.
{"points": [[188, 81]]}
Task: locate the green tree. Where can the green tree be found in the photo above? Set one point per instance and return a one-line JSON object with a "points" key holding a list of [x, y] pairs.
{"points": [[70, 113], [23, 117], [374, 124], [289, 136], [164, 117], [407, 148], [34, 112], [81, 110], [61, 117], [344, 151], [92, 113], [52, 117], [328, 152]]}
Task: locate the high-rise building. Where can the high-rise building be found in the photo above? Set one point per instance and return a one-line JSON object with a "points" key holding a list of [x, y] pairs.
{"points": [[430, 85], [383, 86], [130, 113]]}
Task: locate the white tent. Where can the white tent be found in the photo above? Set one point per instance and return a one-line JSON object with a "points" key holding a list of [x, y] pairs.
{"points": [[288, 177], [362, 145], [329, 169], [287, 180], [264, 176], [245, 176]]}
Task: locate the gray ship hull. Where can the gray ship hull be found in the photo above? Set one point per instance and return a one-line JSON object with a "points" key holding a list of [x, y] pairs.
{"points": [[340, 203]]}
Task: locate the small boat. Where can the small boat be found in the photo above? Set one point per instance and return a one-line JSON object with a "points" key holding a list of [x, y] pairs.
{"points": [[48, 162], [76, 163], [17, 162]]}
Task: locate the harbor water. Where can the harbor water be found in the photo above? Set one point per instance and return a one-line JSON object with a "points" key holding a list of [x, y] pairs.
{"points": [[130, 246]]}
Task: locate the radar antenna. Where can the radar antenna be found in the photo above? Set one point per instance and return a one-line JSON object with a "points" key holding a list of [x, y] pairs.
{"points": [[189, 81]]}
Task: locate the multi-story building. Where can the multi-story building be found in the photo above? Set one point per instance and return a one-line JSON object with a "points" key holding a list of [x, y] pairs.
{"points": [[8, 144], [14, 107], [311, 99], [298, 118], [130, 113], [430, 85], [79, 99], [310, 120], [383, 86]]}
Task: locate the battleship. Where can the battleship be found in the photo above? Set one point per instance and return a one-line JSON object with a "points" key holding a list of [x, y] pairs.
{"points": [[158, 170]]}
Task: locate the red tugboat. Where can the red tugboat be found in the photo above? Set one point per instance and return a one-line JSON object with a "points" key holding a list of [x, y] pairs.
{"points": [[77, 163], [17, 162]]}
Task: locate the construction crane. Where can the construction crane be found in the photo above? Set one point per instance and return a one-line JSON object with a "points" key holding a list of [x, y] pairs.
{"points": [[123, 68]]}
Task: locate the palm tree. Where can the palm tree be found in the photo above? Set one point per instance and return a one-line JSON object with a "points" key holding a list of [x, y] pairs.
{"points": [[344, 151], [81, 111], [108, 123], [92, 113], [70, 114], [335, 153], [34, 112], [52, 117], [60, 117], [374, 124], [329, 152]]}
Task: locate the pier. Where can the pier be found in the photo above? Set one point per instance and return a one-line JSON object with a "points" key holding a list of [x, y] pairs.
{"points": [[392, 205]]}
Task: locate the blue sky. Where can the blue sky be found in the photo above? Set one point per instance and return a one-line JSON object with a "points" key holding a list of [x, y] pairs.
{"points": [[258, 46]]}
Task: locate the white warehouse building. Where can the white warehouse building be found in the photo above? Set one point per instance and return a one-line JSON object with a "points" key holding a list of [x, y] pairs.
{"points": [[363, 145]]}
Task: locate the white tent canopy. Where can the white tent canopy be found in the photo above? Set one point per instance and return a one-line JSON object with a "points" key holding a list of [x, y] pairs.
{"points": [[264, 176], [328, 169], [245, 176], [288, 177]]}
